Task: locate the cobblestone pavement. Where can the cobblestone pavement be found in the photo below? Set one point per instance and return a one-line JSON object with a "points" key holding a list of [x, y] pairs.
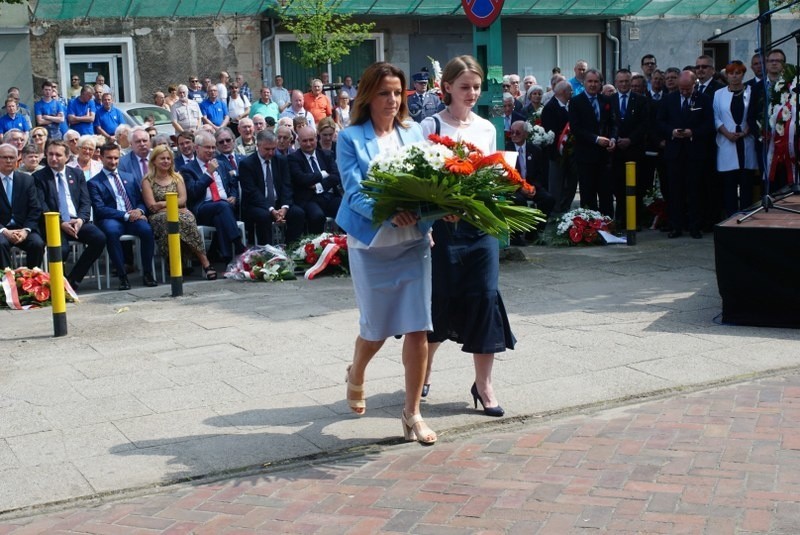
{"points": [[723, 460]]}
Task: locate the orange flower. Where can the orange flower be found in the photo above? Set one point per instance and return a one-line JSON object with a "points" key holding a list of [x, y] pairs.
{"points": [[493, 159], [459, 166]]}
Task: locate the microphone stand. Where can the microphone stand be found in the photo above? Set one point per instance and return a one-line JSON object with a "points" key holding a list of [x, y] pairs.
{"points": [[767, 201]]}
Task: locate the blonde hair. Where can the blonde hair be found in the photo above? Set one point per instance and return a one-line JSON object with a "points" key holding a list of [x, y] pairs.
{"points": [[157, 151]]}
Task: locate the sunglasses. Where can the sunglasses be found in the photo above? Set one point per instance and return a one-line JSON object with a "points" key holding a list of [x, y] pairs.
{"points": [[227, 140]]}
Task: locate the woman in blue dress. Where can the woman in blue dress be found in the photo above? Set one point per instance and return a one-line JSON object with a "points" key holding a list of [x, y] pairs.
{"points": [[390, 265]]}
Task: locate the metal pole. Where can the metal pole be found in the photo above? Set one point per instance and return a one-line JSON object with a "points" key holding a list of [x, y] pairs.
{"points": [[56, 266], [630, 201], [174, 242]]}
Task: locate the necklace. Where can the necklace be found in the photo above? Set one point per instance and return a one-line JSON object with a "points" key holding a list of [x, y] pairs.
{"points": [[460, 122]]}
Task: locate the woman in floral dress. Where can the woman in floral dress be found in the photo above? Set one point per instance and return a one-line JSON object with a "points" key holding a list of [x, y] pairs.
{"points": [[160, 180]]}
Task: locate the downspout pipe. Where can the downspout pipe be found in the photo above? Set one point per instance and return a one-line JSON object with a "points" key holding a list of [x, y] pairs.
{"points": [[267, 64], [614, 39]]}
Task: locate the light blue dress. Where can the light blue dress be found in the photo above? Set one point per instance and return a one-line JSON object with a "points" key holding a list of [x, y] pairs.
{"points": [[390, 267]]}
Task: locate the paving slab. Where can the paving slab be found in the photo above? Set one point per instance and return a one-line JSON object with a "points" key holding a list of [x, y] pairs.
{"points": [[149, 390]]}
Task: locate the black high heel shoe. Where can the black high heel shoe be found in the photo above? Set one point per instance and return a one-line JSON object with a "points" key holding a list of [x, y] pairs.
{"points": [[425, 389], [488, 411]]}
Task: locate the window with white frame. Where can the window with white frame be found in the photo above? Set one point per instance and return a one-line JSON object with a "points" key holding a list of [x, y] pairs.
{"points": [[538, 54]]}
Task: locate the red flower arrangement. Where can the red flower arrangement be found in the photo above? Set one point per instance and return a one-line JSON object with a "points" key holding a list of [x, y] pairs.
{"points": [[581, 226], [24, 288], [324, 252]]}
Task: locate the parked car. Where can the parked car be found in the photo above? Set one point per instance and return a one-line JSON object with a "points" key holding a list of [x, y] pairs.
{"points": [[137, 113]]}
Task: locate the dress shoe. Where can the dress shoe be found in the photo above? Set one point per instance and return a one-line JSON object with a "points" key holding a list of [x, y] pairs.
{"points": [[696, 234], [488, 411], [675, 234], [148, 280], [124, 284]]}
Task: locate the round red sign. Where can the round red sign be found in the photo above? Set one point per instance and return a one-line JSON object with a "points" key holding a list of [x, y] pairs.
{"points": [[482, 13]]}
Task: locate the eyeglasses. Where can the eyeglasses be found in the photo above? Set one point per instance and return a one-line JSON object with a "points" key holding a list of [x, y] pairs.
{"points": [[649, 63], [227, 140], [702, 67], [194, 81]]}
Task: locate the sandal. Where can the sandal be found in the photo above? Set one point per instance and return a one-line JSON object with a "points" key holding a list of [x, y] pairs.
{"points": [[211, 273], [422, 434], [355, 403]]}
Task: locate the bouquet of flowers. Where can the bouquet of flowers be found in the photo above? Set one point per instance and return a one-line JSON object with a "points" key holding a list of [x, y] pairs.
{"points": [[262, 263], [580, 226], [537, 134], [24, 288], [781, 120], [449, 177], [434, 81], [327, 251], [655, 203]]}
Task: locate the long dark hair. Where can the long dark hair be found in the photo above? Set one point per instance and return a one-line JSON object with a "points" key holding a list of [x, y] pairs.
{"points": [[368, 88]]}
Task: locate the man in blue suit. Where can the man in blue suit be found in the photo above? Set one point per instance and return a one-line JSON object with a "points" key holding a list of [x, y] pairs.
{"points": [[119, 209], [135, 162], [213, 195]]}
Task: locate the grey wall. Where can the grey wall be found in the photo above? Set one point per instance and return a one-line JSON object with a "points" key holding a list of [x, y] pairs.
{"points": [[15, 52]]}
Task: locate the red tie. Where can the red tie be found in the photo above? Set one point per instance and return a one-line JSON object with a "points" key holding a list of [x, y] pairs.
{"points": [[213, 186], [232, 160]]}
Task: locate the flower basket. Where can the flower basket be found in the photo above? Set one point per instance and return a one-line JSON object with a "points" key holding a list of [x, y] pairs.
{"points": [[324, 253], [24, 288], [449, 177], [581, 226], [264, 263]]}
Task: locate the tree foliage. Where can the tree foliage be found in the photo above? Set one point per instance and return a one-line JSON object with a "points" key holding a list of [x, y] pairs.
{"points": [[322, 35]]}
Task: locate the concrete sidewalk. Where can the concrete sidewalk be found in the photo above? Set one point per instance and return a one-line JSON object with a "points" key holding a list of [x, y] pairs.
{"points": [[719, 461], [148, 390]]}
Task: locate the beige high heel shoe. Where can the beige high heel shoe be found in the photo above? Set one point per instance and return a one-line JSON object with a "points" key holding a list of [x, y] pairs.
{"points": [[355, 403], [422, 434]]}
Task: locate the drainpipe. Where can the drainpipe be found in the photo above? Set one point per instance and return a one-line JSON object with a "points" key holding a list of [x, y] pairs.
{"points": [[614, 40], [267, 65]]}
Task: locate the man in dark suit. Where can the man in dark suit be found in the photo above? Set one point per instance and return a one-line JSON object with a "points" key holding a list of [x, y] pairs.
{"points": [[315, 181], [213, 196], [267, 195], [591, 120], [562, 180], [759, 99], [19, 211], [710, 185], [119, 209], [631, 116], [510, 115], [532, 167], [185, 152], [686, 121], [63, 189]]}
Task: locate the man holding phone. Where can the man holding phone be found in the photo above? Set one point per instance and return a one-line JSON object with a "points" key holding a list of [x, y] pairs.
{"points": [[686, 121]]}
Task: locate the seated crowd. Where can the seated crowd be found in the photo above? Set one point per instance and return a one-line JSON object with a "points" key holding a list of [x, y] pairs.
{"points": [[272, 161]]}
